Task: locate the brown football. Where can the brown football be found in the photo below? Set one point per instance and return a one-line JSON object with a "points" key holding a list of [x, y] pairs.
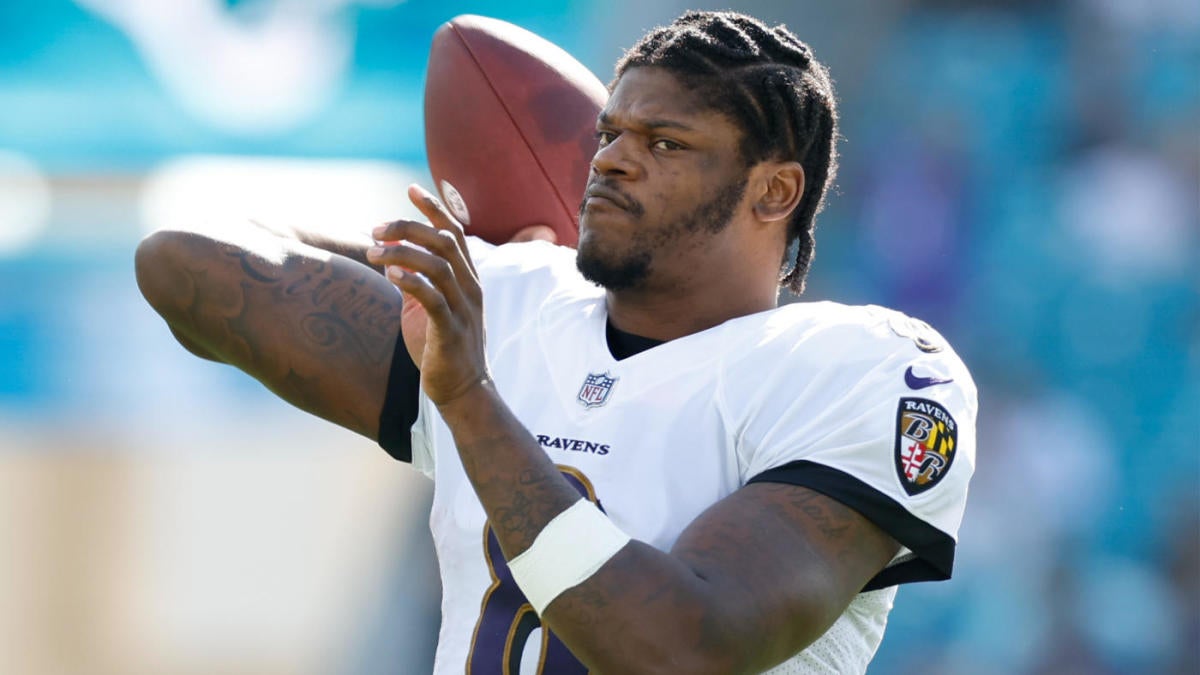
{"points": [[510, 123]]}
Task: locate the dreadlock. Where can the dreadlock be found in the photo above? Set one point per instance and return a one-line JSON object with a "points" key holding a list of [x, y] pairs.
{"points": [[767, 81]]}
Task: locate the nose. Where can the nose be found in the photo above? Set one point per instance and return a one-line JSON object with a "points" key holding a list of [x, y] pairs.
{"points": [[614, 159]]}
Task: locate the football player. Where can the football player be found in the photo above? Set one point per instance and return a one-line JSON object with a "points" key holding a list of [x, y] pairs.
{"points": [[642, 462]]}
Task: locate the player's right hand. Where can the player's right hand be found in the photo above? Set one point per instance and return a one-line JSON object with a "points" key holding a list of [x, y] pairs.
{"points": [[414, 320], [438, 274]]}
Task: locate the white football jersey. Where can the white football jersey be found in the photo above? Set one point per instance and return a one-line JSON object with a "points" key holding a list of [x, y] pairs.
{"points": [[862, 404]]}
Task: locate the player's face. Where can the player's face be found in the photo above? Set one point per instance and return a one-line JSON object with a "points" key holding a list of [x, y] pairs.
{"points": [[665, 183]]}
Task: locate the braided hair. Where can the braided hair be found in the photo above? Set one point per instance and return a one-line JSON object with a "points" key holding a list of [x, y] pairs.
{"points": [[767, 82]]}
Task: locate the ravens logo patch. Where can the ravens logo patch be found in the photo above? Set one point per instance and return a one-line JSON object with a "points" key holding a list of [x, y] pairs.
{"points": [[926, 436]]}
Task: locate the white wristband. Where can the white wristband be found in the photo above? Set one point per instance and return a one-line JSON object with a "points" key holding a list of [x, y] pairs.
{"points": [[565, 553]]}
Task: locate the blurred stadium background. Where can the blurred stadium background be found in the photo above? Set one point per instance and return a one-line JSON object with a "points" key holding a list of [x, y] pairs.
{"points": [[1023, 175]]}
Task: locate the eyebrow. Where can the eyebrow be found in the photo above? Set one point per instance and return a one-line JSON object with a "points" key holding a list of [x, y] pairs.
{"points": [[605, 118]]}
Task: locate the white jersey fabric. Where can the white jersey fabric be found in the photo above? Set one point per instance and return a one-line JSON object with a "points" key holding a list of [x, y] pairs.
{"points": [[833, 397]]}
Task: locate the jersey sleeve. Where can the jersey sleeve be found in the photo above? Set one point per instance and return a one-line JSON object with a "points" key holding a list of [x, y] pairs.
{"points": [[401, 403], [880, 422]]}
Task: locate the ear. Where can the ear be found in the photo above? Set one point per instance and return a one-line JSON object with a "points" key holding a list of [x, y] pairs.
{"points": [[782, 186]]}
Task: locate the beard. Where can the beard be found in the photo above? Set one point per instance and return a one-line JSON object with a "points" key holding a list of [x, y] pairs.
{"points": [[617, 270]]}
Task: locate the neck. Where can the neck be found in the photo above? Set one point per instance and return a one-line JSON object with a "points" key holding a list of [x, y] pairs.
{"points": [[671, 314]]}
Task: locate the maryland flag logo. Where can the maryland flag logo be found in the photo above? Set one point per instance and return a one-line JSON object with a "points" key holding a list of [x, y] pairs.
{"points": [[925, 438]]}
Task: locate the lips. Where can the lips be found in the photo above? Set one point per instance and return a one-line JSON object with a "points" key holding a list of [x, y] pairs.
{"points": [[600, 192]]}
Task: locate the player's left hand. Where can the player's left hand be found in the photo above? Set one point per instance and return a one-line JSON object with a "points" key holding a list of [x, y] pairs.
{"points": [[439, 281]]}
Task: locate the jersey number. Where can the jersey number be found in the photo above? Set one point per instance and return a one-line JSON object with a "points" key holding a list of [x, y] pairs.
{"points": [[506, 619]]}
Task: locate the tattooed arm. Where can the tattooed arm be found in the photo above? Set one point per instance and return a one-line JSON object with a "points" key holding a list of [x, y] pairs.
{"points": [[317, 328]]}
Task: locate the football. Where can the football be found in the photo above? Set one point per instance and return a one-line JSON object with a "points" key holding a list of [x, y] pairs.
{"points": [[510, 123]]}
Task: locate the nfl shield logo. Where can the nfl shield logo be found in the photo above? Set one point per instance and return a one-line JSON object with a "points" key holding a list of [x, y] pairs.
{"points": [[595, 390]]}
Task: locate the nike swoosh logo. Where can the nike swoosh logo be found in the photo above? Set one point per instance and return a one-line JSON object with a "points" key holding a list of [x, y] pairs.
{"points": [[915, 382]]}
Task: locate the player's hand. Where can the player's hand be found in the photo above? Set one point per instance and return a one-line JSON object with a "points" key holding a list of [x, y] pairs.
{"points": [[439, 279], [413, 319]]}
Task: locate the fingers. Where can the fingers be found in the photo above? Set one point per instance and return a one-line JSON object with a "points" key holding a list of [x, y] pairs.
{"points": [[433, 209], [438, 269], [420, 289], [439, 243]]}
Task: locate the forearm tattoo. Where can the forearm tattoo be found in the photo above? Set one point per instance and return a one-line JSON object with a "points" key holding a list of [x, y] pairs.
{"points": [[519, 504]]}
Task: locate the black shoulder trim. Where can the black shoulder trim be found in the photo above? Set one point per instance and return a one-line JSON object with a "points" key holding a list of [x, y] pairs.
{"points": [[401, 404], [933, 550]]}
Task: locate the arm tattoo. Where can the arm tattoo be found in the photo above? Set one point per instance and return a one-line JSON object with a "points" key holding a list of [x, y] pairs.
{"points": [[313, 330], [332, 309], [521, 505], [832, 520], [252, 272]]}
